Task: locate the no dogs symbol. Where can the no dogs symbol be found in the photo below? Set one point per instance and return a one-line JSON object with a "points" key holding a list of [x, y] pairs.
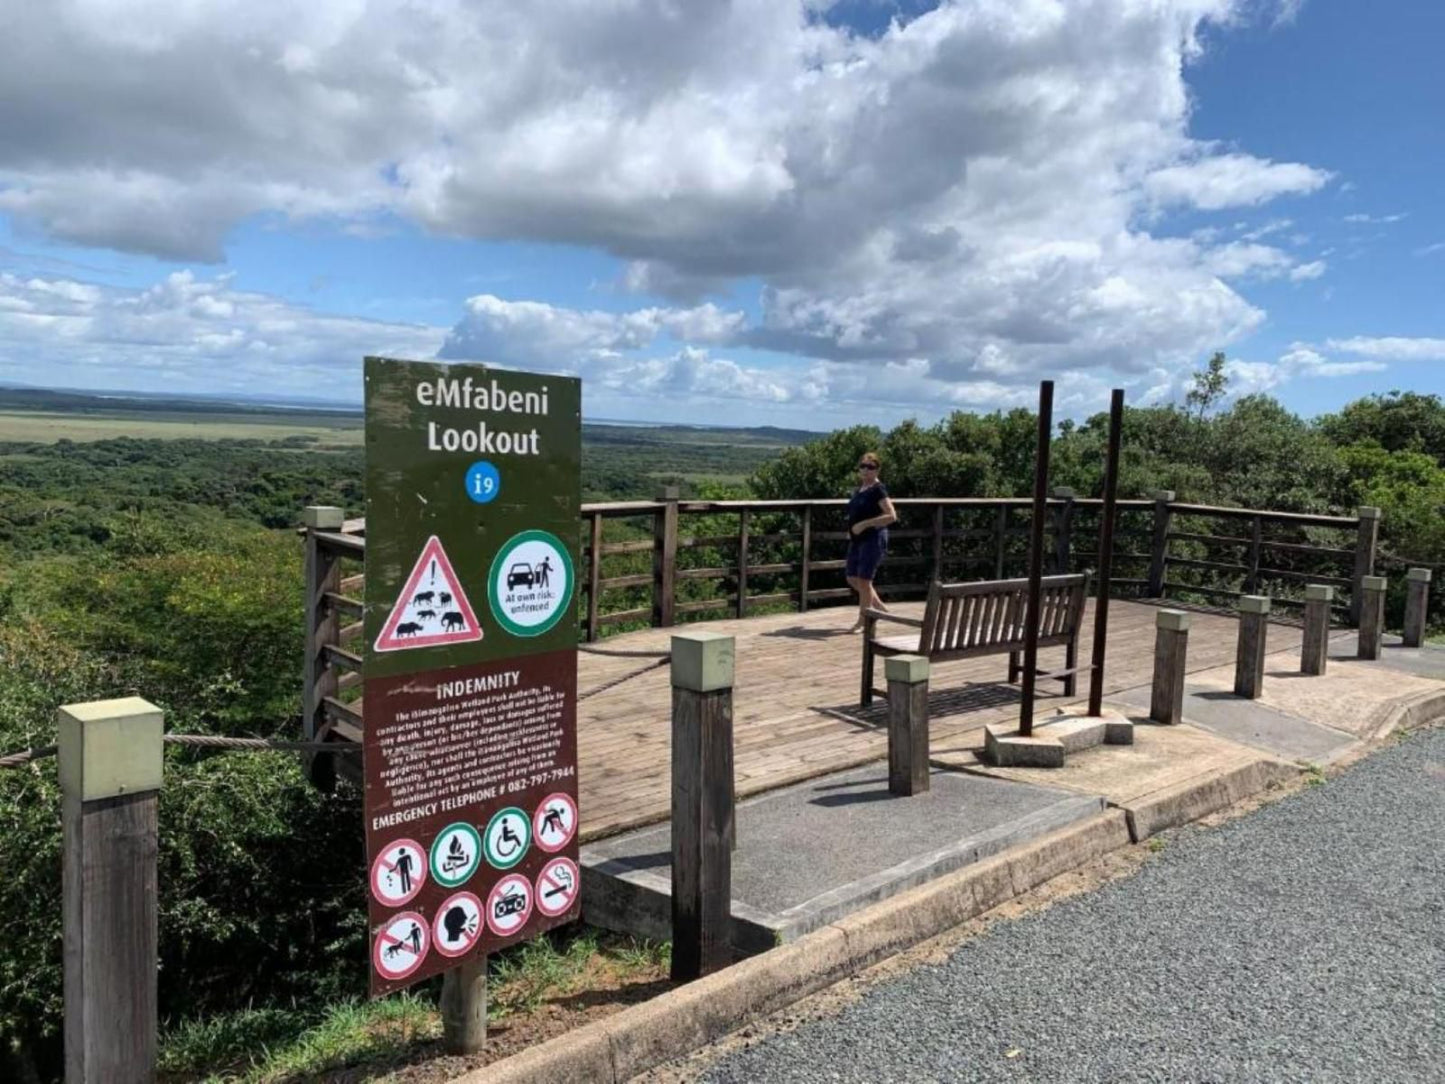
{"points": [[398, 872], [400, 947], [555, 822], [458, 924]]}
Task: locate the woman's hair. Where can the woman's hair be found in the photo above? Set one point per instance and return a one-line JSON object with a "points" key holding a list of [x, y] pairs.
{"points": [[869, 457]]}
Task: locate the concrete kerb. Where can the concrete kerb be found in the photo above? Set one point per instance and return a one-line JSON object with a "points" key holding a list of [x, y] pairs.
{"points": [[625, 1044], [620, 1046]]}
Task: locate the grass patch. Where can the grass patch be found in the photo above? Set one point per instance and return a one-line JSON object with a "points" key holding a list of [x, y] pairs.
{"points": [[1155, 844], [1314, 774], [269, 1046]]}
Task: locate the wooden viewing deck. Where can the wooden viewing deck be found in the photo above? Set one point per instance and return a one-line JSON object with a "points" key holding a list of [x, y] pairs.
{"points": [[795, 702]]}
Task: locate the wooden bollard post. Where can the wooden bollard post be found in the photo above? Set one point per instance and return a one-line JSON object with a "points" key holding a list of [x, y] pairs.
{"points": [[1367, 543], [907, 724], [664, 557], [702, 803], [1159, 549], [464, 1007], [1171, 646], [1249, 656], [1315, 649], [1372, 616], [110, 780], [1417, 605]]}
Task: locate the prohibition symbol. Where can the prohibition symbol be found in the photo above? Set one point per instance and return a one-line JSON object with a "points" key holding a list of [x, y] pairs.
{"points": [[398, 872], [510, 904], [507, 838], [455, 854], [458, 924], [555, 822], [401, 946], [557, 886]]}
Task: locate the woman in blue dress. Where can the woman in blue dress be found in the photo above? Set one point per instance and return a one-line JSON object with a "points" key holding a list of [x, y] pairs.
{"points": [[869, 514]]}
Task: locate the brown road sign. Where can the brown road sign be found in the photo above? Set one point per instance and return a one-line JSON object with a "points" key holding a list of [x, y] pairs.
{"points": [[472, 494]]}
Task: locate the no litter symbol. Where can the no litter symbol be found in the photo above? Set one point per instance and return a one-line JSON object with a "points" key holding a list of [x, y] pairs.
{"points": [[455, 854], [510, 905], [557, 886], [507, 838], [555, 822], [458, 924], [401, 946], [398, 872]]}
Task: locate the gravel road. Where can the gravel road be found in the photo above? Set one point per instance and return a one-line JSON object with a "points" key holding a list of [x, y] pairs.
{"points": [[1304, 942]]}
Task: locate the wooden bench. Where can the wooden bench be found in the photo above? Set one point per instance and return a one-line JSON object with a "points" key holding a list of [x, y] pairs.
{"points": [[964, 620]]}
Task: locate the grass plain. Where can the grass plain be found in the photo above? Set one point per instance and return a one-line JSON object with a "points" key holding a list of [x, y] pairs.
{"points": [[47, 427]]}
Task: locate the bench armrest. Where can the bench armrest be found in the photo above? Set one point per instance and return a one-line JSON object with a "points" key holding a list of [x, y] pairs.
{"points": [[879, 615]]}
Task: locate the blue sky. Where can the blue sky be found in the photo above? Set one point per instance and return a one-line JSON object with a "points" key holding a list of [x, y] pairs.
{"points": [[755, 213]]}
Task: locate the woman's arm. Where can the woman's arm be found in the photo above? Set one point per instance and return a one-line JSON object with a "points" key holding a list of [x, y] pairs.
{"points": [[886, 515]]}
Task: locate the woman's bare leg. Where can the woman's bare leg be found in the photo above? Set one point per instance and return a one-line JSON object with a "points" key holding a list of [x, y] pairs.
{"points": [[876, 603], [865, 591]]}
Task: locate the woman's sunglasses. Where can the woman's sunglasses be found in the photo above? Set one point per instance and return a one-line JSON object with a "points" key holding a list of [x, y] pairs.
{"points": [[867, 466]]}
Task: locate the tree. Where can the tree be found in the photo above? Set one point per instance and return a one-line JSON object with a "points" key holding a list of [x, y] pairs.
{"points": [[1211, 384]]}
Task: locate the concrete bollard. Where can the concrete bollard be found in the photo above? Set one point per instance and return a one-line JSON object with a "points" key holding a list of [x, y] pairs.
{"points": [[702, 803], [1171, 645], [110, 781], [1372, 616], [1417, 605], [1315, 649], [907, 724], [1249, 655]]}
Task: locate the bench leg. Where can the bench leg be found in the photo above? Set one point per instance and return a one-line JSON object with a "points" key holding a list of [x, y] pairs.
{"points": [[865, 693], [1071, 659], [1013, 667]]}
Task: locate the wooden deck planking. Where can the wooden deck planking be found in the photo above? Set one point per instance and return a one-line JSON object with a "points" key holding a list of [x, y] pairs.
{"points": [[795, 702]]}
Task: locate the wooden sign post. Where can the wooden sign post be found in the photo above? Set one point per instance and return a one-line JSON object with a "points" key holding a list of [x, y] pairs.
{"points": [[470, 671]]}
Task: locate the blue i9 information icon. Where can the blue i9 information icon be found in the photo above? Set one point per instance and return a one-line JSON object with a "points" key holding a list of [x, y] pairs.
{"points": [[483, 481]]}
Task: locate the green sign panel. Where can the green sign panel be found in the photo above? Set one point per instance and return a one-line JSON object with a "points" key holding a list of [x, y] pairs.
{"points": [[472, 502]]}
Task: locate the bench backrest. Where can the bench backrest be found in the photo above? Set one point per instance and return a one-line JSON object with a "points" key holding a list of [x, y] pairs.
{"points": [[990, 614]]}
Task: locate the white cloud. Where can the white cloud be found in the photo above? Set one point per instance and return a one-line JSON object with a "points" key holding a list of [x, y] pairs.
{"points": [[1392, 348], [1430, 250], [1232, 180], [968, 195], [1375, 220], [1305, 271], [189, 334]]}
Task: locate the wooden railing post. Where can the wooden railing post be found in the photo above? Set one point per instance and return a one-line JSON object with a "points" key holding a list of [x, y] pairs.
{"points": [[1000, 531], [1367, 542], [664, 557], [938, 543], [1372, 616], [1063, 528], [1315, 649], [743, 563], [1249, 654], [1158, 553], [1256, 538], [464, 1006], [1171, 648], [321, 576], [1417, 605], [110, 779], [907, 724], [804, 569], [702, 803], [594, 576]]}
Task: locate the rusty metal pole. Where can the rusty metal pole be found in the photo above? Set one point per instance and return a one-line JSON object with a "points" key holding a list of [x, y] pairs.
{"points": [[1106, 553], [1036, 556]]}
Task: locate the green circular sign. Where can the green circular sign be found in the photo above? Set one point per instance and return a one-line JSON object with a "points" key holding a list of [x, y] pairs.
{"points": [[507, 838], [531, 582], [455, 854]]}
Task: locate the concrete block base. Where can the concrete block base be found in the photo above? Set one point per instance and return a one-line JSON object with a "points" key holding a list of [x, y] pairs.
{"points": [[1005, 747], [1054, 738]]}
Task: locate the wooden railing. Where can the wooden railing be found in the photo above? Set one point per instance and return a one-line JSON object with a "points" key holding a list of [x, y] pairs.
{"points": [[662, 562]]}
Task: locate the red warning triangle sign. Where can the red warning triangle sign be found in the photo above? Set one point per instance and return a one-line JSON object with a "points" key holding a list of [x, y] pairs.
{"points": [[432, 608]]}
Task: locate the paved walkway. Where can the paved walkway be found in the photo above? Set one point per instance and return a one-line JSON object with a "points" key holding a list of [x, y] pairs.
{"points": [[1305, 942]]}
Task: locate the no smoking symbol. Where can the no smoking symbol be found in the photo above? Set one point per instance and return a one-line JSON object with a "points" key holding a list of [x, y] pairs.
{"points": [[557, 886], [555, 822]]}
